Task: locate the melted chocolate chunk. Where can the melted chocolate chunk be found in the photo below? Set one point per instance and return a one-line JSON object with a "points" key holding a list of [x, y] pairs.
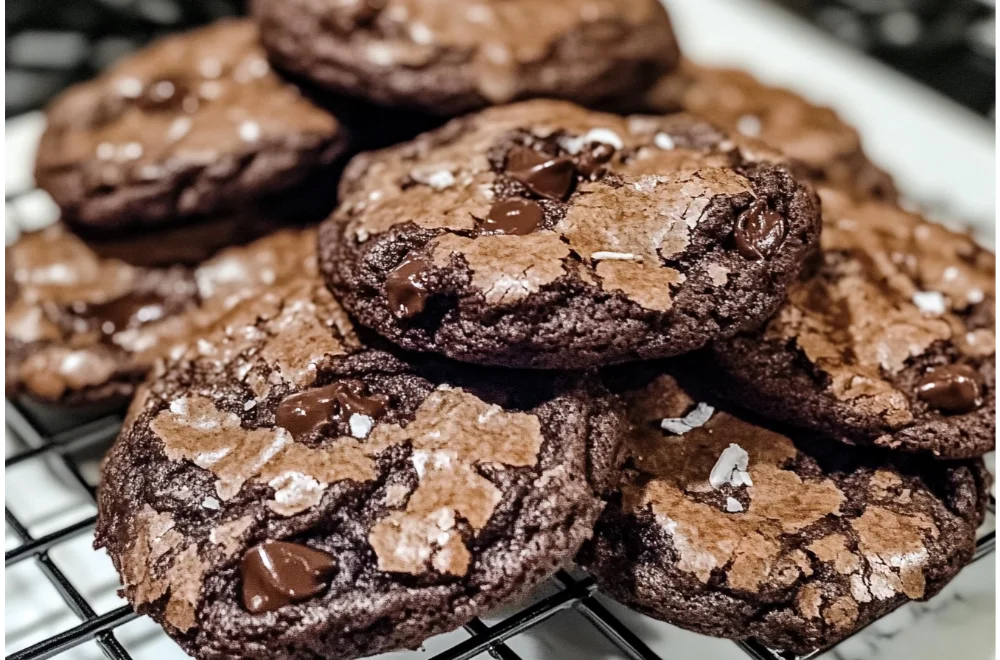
{"points": [[165, 94], [545, 176], [129, 311], [759, 231], [277, 573], [521, 158], [405, 289], [304, 413], [956, 388], [514, 216], [590, 161]]}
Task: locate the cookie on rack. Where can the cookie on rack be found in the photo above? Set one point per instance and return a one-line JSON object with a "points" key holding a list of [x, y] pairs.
{"points": [[892, 341], [445, 57], [192, 127], [732, 527], [813, 135], [545, 235], [82, 331], [282, 491]]}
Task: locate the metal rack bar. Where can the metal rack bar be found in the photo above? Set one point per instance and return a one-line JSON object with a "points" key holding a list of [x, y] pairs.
{"points": [[40, 545], [103, 431], [605, 622], [73, 598], [499, 651], [84, 632], [518, 623]]}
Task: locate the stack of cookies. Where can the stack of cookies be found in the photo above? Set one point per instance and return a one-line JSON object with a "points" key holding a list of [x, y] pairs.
{"points": [[616, 309]]}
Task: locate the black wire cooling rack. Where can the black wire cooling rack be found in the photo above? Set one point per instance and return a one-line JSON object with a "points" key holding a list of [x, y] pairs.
{"points": [[60, 450]]}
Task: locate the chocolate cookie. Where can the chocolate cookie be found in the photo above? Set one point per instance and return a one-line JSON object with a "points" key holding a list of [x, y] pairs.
{"points": [[545, 235], [81, 329], [281, 492], [734, 529], [446, 57], [891, 342], [192, 126], [815, 136]]}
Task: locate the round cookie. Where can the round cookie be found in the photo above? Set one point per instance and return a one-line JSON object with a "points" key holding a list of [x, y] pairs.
{"points": [[447, 57], [814, 136], [891, 343], [281, 492], [84, 330], [734, 529], [544, 235], [195, 125]]}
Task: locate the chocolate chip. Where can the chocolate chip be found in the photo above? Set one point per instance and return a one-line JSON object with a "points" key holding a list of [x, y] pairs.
{"points": [[277, 573], [163, 94], [129, 311], [303, 413], [521, 158], [956, 388], [405, 288], [759, 231], [514, 216], [590, 161], [545, 176]]}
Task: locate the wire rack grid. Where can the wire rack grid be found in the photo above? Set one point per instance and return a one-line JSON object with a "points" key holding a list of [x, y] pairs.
{"points": [[59, 450]]}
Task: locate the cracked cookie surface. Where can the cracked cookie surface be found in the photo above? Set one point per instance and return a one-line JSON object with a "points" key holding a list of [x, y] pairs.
{"points": [[194, 125], [446, 57], [891, 342], [282, 491], [548, 236], [733, 528]]}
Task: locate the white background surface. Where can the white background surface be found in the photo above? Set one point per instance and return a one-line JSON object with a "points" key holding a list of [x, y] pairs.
{"points": [[942, 156]]}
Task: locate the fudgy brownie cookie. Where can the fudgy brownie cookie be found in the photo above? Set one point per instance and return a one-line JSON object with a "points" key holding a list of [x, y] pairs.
{"points": [[890, 343], [815, 136], [281, 492], [84, 330], [544, 235], [450, 56], [735, 529], [194, 125]]}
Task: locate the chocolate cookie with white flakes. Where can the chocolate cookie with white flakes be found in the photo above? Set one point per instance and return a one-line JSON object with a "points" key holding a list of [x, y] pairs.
{"points": [[891, 342], [81, 331], [733, 527], [446, 57], [195, 136], [815, 137], [544, 235], [281, 491]]}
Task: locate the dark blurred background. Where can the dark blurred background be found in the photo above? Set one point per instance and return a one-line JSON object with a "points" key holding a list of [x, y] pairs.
{"points": [[946, 44]]}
